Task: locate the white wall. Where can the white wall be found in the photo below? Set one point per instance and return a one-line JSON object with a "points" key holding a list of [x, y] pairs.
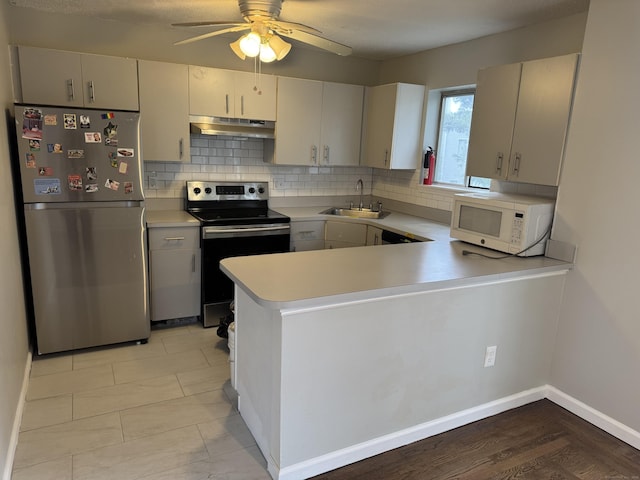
{"points": [[13, 325], [597, 359]]}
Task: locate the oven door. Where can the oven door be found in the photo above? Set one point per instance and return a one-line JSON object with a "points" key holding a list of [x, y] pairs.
{"points": [[219, 242]]}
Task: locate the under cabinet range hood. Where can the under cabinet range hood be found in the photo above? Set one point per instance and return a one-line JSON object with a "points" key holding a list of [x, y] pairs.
{"points": [[236, 127]]}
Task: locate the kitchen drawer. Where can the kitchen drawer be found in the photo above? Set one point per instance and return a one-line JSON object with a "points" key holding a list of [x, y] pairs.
{"points": [[174, 238]]}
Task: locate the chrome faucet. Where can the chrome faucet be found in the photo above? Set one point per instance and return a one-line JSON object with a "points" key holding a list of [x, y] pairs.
{"points": [[360, 186]]}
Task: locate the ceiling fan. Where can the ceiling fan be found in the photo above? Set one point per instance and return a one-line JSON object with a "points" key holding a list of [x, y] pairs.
{"points": [[263, 41]]}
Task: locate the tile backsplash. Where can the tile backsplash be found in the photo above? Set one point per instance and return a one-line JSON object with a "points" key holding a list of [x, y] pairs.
{"points": [[241, 159]]}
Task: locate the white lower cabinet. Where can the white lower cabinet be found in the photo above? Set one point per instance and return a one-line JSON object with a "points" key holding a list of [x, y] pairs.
{"points": [[344, 234], [174, 272], [307, 235]]}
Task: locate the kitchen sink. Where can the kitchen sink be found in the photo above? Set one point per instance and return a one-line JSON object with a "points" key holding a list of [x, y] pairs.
{"points": [[355, 212]]}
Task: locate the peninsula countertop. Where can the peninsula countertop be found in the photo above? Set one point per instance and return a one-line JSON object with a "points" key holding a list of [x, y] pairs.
{"points": [[314, 278]]}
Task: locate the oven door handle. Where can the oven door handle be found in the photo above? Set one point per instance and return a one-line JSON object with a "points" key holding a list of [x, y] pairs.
{"points": [[209, 233]]}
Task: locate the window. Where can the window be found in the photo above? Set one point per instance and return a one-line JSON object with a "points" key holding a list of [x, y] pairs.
{"points": [[453, 140]]}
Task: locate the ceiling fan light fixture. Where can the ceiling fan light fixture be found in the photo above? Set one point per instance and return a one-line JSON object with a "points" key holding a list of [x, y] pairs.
{"points": [[267, 55], [250, 44], [235, 46], [279, 47]]}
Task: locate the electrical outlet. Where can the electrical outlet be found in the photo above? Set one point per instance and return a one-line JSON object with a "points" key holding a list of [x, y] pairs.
{"points": [[490, 356]]}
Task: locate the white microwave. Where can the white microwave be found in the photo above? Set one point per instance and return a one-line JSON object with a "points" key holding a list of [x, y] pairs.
{"points": [[504, 222]]}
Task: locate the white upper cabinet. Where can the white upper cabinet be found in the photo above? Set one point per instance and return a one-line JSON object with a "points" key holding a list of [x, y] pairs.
{"points": [[55, 77], [319, 123], [164, 111], [520, 119], [393, 126], [341, 124], [227, 93]]}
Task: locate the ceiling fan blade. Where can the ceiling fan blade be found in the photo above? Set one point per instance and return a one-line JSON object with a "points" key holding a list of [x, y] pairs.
{"points": [[278, 25], [206, 24], [238, 28], [317, 41]]}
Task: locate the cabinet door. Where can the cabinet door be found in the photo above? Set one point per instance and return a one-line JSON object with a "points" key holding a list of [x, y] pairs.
{"points": [[337, 233], [307, 235], [494, 110], [378, 125], [164, 111], [175, 283], [341, 124], [406, 139], [298, 126], [50, 77], [544, 105], [374, 236], [211, 92], [110, 82], [255, 96]]}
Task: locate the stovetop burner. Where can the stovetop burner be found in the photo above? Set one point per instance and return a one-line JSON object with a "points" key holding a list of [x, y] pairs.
{"points": [[231, 203], [239, 216]]}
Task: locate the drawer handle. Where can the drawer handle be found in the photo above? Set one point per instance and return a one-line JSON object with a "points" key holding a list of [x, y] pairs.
{"points": [[173, 239]]}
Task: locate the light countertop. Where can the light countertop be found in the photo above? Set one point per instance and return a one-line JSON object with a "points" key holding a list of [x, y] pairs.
{"points": [[320, 277], [170, 218], [311, 278], [398, 222]]}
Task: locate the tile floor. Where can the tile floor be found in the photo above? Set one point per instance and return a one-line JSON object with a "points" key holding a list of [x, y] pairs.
{"points": [[164, 410]]}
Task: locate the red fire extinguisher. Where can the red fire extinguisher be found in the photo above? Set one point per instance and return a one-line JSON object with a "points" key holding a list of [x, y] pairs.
{"points": [[429, 166]]}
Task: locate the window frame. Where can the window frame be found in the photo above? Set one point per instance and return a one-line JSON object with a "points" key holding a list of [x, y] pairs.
{"points": [[444, 95]]}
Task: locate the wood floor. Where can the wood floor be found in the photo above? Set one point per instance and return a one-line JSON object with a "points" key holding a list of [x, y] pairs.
{"points": [[537, 441]]}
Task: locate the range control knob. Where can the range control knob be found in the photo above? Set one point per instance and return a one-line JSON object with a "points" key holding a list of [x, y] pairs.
{"points": [[197, 191], [207, 190], [252, 190], [261, 190]]}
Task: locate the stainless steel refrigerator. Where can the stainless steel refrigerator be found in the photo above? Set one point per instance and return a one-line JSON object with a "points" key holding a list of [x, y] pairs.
{"points": [[81, 182]]}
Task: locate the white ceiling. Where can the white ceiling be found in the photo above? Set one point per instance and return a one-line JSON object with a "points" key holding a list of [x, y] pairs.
{"points": [[376, 29]]}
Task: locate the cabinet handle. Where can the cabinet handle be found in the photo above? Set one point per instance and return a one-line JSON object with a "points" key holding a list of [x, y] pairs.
{"points": [[375, 239], [499, 159], [70, 90], [173, 239], [226, 103], [92, 95], [181, 147], [326, 154], [242, 105], [193, 263], [516, 164], [386, 154], [314, 154]]}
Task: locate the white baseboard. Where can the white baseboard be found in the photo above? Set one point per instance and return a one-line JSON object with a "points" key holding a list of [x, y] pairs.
{"points": [[352, 454], [593, 416], [15, 431]]}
